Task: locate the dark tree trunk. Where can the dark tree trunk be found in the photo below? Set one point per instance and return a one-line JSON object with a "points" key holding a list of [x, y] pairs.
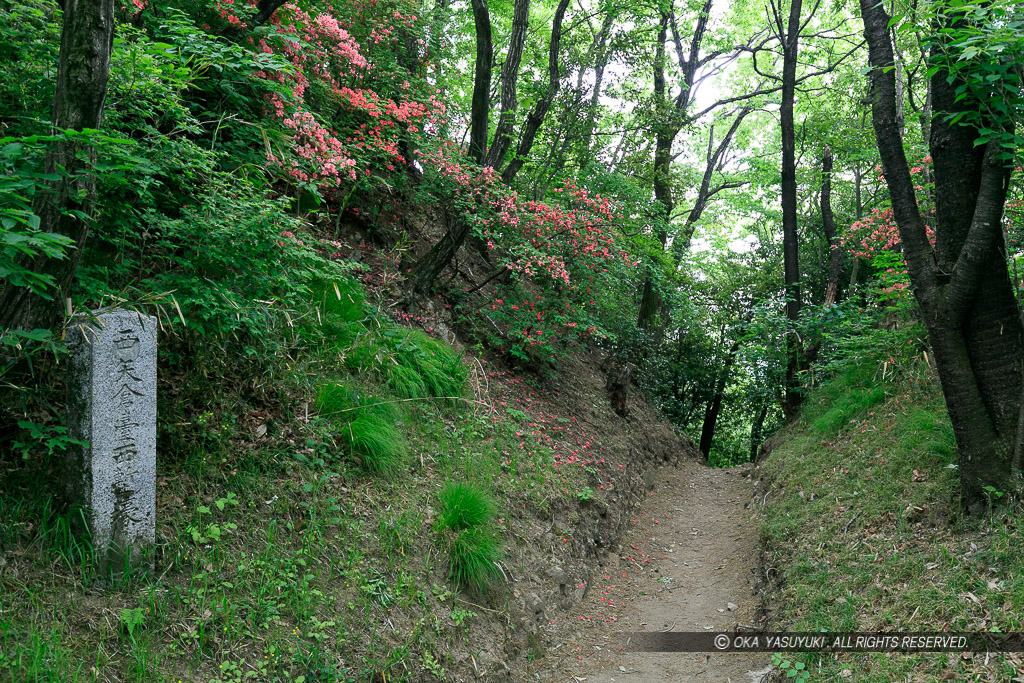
{"points": [[790, 249], [509, 76], [714, 407], [665, 134], [540, 110], [429, 267], [756, 430], [835, 254], [963, 286], [82, 74], [481, 106], [858, 180]]}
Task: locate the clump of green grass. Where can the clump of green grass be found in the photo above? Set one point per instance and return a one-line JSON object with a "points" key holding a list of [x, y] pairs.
{"points": [[437, 365], [365, 426], [473, 547], [410, 363], [464, 505], [379, 446], [472, 558], [337, 315]]}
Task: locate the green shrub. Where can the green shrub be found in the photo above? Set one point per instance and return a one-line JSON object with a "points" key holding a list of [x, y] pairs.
{"points": [[472, 557], [464, 506]]}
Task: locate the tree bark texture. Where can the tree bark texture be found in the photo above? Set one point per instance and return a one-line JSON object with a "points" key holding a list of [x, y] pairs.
{"points": [[790, 251], [481, 105], [540, 110], [828, 223], [509, 76], [82, 74], [962, 286]]}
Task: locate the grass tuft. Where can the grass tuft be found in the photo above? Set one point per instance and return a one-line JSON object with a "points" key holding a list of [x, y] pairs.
{"points": [[473, 556], [365, 425], [463, 506], [342, 301], [379, 446], [473, 547]]}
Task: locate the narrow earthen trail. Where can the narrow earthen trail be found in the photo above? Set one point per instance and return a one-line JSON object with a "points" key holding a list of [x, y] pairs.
{"points": [[686, 564]]}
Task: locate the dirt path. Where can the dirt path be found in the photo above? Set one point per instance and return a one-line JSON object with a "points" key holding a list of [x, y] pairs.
{"points": [[685, 565]]}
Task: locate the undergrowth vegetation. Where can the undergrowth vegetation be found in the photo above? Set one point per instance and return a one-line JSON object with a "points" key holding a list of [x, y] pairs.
{"points": [[322, 524], [863, 531]]}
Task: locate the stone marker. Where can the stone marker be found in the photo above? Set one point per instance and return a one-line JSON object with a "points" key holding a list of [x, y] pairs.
{"points": [[112, 407]]}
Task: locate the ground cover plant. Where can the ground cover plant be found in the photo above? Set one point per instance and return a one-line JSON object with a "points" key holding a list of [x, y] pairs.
{"points": [[863, 496], [297, 540]]}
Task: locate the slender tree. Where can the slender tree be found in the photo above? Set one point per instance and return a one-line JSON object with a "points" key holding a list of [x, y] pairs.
{"points": [[481, 106], [714, 406], [828, 223], [670, 119], [540, 110], [509, 77], [789, 38]]}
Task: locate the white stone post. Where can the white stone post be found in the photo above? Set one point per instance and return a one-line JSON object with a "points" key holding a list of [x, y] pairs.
{"points": [[112, 407]]}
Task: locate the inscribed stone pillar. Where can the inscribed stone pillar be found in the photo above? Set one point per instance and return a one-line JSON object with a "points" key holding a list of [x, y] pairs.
{"points": [[112, 407]]}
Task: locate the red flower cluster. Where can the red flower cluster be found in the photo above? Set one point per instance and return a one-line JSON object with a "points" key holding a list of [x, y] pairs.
{"points": [[562, 246], [342, 127]]}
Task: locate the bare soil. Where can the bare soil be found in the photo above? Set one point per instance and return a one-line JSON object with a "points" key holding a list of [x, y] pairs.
{"points": [[686, 564]]}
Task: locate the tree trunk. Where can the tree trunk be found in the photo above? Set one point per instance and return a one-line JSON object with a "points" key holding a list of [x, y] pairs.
{"points": [[540, 110], [586, 145], [569, 132], [82, 74], [714, 407], [481, 106], [858, 180], [670, 121], [756, 430], [509, 76], [963, 286], [790, 255], [664, 136], [704, 192], [835, 254], [428, 268]]}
